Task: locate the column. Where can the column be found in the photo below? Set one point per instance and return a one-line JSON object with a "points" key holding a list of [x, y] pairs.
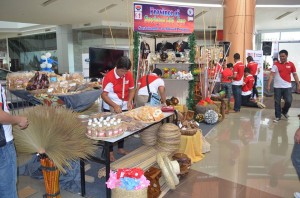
{"points": [[65, 51], [239, 22]]}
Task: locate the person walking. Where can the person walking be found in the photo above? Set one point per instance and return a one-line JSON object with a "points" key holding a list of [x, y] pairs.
{"points": [[281, 72]]}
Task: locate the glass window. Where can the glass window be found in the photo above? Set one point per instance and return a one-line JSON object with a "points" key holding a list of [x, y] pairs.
{"points": [[289, 36], [274, 36]]}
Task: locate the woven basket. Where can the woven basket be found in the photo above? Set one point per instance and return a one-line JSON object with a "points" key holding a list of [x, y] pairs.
{"points": [[188, 132], [168, 138], [123, 193], [149, 135]]}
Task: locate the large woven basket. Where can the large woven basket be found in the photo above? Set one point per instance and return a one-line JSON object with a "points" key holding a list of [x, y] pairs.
{"points": [[123, 193], [149, 135], [168, 138]]}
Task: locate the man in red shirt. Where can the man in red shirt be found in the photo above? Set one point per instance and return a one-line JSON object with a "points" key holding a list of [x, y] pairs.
{"points": [[238, 74], [118, 93], [254, 70], [281, 72], [247, 90], [226, 81]]}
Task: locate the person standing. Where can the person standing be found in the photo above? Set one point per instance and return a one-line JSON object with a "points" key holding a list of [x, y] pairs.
{"points": [[247, 90], [281, 72], [226, 82], [254, 71], [238, 74], [8, 164], [218, 71], [118, 93], [156, 85]]}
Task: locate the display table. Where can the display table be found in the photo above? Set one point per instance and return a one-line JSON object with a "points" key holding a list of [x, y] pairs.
{"points": [[77, 101], [106, 144], [192, 146]]}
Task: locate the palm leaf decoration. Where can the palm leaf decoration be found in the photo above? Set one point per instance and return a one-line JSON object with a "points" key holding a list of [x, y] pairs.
{"points": [[55, 132]]}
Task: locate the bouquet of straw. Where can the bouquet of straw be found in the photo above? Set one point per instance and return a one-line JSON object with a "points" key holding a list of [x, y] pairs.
{"points": [[56, 133]]}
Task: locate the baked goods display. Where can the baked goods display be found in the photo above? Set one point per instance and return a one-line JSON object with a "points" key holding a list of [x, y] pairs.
{"points": [[146, 114], [51, 83]]}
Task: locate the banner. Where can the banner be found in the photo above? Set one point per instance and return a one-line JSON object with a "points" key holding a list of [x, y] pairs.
{"points": [[258, 58], [163, 18]]}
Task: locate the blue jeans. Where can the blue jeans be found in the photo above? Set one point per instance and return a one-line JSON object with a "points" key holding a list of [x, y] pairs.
{"points": [[296, 158], [8, 171], [286, 94], [237, 94]]}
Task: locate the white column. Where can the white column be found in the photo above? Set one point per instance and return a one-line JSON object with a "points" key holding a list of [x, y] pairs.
{"points": [[65, 51]]}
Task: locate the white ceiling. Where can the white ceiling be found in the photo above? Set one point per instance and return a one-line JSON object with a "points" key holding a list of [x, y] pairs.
{"points": [[80, 12]]}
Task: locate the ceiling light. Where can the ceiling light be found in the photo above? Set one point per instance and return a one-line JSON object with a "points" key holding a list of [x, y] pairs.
{"points": [[183, 3], [107, 8], [48, 2], [200, 14], [278, 6], [284, 15]]}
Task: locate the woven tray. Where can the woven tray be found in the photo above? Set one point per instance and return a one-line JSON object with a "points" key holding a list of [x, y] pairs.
{"points": [[188, 132], [103, 138]]}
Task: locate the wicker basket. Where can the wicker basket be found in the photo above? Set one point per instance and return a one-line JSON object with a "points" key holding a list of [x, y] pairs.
{"points": [[123, 193], [188, 132], [149, 135]]}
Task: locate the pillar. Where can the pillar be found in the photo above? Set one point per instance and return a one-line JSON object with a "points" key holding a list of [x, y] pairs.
{"points": [[239, 23], [65, 51]]}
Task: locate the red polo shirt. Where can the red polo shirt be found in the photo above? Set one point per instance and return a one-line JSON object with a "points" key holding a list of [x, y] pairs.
{"points": [[253, 66], [113, 85], [248, 85], [225, 74], [238, 68], [283, 73]]}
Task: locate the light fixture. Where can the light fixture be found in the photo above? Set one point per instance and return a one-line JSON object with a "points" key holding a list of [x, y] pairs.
{"points": [[200, 14], [183, 3], [48, 2], [284, 15], [107, 8], [278, 6]]}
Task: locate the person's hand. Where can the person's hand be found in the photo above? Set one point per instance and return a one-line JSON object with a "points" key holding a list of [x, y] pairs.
{"points": [[129, 106], [117, 109], [297, 136], [268, 88], [23, 122], [298, 88]]}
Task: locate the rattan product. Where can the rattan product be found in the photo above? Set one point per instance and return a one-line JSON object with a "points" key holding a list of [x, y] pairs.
{"points": [[167, 170], [149, 135], [168, 138], [143, 157], [123, 193], [188, 131], [184, 162]]}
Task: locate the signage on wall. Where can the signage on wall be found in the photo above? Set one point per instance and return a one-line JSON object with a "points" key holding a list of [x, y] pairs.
{"points": [[163, 18]]}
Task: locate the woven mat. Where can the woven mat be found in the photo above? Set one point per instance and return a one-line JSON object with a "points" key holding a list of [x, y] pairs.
{"points": [[144, 157]]}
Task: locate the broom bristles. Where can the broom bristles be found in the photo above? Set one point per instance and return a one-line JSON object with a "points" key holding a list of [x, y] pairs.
{"points": [[58, 132]]}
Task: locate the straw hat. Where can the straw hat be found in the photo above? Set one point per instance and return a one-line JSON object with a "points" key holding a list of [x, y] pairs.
{"points": [[169, 170]]}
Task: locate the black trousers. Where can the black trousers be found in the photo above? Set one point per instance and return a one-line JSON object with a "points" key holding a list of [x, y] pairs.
{"points": [[121, 142], [246, 101], [254, 90]]}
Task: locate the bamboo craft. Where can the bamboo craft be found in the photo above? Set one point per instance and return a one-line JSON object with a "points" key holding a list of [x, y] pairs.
{"points": [[51, 178]]}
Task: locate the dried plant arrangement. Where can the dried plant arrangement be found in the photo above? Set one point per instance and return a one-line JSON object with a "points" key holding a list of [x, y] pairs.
{"points": [[58, 137], [56, 132]]}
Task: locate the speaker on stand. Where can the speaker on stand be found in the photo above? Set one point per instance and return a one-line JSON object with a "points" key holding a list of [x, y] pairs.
{"points": [[267, 48], [226, 48]]}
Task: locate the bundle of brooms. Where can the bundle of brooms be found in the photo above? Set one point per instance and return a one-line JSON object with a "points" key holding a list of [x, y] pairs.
{"points": [[58, 137]]}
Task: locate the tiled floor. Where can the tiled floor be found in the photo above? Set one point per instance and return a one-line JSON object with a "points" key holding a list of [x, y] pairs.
{"points": [[250, 157]]}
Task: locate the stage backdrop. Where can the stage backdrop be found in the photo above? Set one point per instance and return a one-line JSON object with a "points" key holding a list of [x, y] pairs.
{"points": [[162, 18]]}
